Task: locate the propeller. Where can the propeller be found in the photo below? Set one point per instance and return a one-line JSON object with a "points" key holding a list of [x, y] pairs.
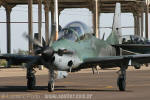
{"points": [[46, 51]]}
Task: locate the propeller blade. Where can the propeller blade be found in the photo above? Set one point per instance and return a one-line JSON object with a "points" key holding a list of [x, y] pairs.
{"points": [[38, 51], [46, 64], [43, 42], [34, 41], [53, 32]]}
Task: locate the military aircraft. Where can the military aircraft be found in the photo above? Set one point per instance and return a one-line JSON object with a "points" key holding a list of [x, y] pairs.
{"points": [[135, 44], [77, 49]]}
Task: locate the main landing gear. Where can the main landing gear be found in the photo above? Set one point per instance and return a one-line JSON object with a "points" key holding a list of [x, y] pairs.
{"points": [[121, 82], [31, 80]]}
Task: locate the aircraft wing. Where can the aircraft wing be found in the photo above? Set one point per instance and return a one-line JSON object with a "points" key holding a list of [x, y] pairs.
{"points": [[17, 59], [117, 61]]}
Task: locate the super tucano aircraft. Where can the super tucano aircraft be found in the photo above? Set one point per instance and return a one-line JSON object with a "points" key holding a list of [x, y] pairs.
{"points": [[77, 49], [135, 44]]}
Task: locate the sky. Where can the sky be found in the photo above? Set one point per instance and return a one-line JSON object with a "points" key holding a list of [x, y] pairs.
{"points": [[20, 13]]}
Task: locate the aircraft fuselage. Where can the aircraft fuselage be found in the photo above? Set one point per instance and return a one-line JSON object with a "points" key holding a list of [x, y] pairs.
{"points": [[88, 47]]}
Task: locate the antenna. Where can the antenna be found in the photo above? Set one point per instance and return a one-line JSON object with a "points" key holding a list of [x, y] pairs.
{"points": [[103, 36]]}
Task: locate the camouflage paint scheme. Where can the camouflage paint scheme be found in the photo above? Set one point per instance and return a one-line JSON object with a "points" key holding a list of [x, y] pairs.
{"points": [[79, 49]]}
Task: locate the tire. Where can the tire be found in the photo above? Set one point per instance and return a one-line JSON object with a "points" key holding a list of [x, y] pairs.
{"points": [[31, 83], [51, 86], [121, 84], [137, 66]]}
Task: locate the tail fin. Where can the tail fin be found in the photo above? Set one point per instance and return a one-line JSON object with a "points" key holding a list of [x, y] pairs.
{"points": [[115, 36]]}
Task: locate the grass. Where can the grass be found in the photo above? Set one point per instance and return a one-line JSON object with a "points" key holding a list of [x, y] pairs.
{"points": [[3, 62]]}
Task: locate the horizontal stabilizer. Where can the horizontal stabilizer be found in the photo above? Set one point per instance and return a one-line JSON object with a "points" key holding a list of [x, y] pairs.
{"points": [[132, 45], [137, 48]]}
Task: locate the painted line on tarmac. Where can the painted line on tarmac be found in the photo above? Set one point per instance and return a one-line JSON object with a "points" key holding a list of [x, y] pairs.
{"points": [[109, 87], [138, 85]]}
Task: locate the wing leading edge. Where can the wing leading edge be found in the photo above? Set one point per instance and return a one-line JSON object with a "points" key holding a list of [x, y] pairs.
{"points": [[117, 61], [16, 59]]}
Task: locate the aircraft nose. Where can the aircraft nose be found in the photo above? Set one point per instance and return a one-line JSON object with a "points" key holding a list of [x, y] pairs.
{"points": [[61, 61]]}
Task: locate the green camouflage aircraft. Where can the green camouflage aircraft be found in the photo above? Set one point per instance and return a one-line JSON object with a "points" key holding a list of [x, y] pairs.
{"points": [[77, 49]]}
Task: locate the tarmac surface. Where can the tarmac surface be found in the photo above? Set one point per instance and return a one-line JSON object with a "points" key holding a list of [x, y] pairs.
{"points": [[78, 86]]}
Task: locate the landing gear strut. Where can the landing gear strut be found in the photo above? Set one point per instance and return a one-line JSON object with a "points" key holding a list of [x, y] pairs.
{"points": [[51, 81], [31, 80], [121, 82]]}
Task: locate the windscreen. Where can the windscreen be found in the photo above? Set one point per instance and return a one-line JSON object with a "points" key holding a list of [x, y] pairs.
{"points": [[69, 34], [74, 30]]}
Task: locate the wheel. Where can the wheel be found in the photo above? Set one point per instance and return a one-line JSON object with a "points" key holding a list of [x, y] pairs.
{"points": [[137, 66], [121, 84], [50, 86], [31, 83]]}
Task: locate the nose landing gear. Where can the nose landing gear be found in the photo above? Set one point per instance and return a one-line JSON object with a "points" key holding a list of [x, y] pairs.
{"points": [[50, 86], [51, 82]]}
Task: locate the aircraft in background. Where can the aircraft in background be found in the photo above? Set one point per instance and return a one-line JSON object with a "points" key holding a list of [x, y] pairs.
{"points": [[78, 49], [135, 44], [134, 39]]}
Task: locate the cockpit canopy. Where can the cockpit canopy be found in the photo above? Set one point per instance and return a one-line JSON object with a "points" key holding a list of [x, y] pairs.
{"points": [[133, 39], [73, 31]]}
